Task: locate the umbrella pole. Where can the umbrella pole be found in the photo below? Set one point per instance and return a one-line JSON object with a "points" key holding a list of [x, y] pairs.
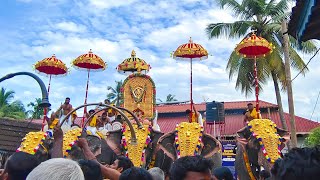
{"points": [[191, 104], [85, 99], [257, 86], [45, 108]]}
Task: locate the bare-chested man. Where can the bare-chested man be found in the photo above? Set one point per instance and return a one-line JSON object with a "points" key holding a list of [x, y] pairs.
{"points": [[63, 110]]}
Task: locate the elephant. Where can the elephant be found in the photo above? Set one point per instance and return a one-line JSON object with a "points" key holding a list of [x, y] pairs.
{"points": [[114, 147], [209, 147], [255, 148]]}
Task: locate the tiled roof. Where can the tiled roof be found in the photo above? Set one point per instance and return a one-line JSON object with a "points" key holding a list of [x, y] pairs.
{"points": [[233, 123], [202, 106], [12, 132]]}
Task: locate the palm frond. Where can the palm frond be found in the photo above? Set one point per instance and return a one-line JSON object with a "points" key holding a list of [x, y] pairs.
{"points": [[230, 30]]}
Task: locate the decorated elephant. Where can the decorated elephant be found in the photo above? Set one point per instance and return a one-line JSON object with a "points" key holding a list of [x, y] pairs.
{"points": [[140, 153], [259, 145], [187, 140]]}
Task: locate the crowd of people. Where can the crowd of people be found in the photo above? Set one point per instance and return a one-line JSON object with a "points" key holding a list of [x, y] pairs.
{"points": [[298, 164]]}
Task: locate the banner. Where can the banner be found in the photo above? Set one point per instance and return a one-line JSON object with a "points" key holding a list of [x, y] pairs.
{"points": [[228, 155]]}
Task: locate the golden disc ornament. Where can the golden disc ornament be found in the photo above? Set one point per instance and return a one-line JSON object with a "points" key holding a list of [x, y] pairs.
{"points": [[32, 142]]}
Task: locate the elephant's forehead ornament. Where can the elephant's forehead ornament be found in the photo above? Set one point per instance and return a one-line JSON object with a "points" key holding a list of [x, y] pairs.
{"points": [[136, 153], [69, 139], [265, 131], [32, 142], [188, 139]]}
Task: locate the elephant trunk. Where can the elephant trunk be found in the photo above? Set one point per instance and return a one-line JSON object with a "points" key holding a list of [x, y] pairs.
{"points": [[45, 98]]}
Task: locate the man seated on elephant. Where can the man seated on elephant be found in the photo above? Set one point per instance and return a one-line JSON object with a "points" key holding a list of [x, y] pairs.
{"points": [[250, 114], [63, 110], [194, 116], [104, 123], [191, 168], [91, 128]]}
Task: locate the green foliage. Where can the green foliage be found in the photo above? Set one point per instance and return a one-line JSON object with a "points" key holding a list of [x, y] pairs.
{"points": [[37, 111], [115, 95], [314, 138], [10, 109], [170, 98], [264, 16]]}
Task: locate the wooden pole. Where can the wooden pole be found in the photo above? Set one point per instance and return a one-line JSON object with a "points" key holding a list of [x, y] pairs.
{"points": [[285, 45]]}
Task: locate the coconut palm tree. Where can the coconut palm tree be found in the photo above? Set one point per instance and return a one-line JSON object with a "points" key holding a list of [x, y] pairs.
{"points": [[37, 110], [263, 16], [10, 109], [170, 98], [115, 95]]}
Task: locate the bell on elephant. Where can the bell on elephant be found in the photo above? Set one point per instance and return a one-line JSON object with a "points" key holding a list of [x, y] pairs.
{"points": [[258, 145]]}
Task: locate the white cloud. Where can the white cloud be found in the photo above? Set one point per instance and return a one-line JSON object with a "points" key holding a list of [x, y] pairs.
{"points": [[70, 27], [112, 29], [102, 4]]}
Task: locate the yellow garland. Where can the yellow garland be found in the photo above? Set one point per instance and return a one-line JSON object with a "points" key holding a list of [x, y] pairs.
{"points": [[188, 138], [135, 152], [265, 131], [32, 142], [69, 139]]}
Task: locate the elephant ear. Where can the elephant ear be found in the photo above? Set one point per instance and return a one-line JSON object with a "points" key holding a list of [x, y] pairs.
{"points": [[211, 146], [166, 144], [285, 135], [113, 140]]}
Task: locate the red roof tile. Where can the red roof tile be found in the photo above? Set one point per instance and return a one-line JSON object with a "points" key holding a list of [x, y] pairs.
{"points": [[233, 123], [202, 106]]}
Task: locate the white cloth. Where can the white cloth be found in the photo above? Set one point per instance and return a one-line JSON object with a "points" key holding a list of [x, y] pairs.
{"points": [[67, 121], [156, 126], [112, 118], [200, 121], [107, 127], [93, 130]]}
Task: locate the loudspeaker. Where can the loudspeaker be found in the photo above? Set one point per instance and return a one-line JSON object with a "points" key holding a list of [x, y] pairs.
{"points": [[215, 112]]}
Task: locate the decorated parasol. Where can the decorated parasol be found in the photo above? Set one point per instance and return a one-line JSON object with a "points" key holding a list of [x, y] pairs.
{"points": [[190, 51], [89, 62], [133, 65], [254, 47], [52, 67]]}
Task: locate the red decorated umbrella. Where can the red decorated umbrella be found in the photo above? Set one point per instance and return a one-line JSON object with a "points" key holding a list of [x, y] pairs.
{"points": [[254, 47], [52, 67], [133, 65], [89, 62], [190, 51]]}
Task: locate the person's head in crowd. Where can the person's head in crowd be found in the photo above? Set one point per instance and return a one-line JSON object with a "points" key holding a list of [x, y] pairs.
{"points": [[250, 106], [121, 164], [90, 169], [19, 165], [156, 173], [91, 111], [264, 175], [191, 168], [135, 173], [299, 163], [57, 169], [222, 173]]}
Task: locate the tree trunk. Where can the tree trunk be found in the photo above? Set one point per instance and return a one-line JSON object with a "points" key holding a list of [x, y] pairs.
{"points": [[279, 101], [285, 45]]}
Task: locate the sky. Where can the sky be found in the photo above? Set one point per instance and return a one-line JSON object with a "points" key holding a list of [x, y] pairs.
{"points": [[35, 29]]}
